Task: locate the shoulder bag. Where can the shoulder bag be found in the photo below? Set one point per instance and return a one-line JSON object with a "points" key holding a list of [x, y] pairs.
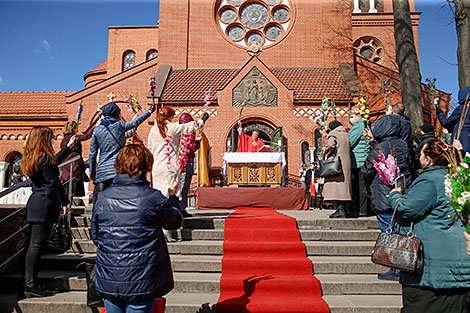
{"points": [[331, 167], [60, 239], [400, 252]]}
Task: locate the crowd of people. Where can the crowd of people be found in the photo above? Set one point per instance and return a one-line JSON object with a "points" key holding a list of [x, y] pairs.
{"points": [[127, 208], [130, 213]]}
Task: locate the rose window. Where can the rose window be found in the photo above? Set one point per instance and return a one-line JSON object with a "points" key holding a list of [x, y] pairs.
{"points": [[263, 21], [369, 48]]}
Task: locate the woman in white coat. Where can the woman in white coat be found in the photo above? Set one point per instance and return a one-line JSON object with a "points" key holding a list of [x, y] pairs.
{"points": [[164, 142]]}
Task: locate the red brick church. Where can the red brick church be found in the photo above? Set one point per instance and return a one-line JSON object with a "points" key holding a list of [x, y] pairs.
{"points": [[279, 57]]}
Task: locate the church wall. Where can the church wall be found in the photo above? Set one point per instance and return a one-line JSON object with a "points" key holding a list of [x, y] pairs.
{"points": [[140, 39], [136, 84], [320, 37]]}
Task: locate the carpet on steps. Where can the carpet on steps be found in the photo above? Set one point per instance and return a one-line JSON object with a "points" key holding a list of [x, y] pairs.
{"points": [[265, 268]]}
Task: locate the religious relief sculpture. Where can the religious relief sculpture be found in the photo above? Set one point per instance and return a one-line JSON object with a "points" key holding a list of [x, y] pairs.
{"points": [[254, 90]]}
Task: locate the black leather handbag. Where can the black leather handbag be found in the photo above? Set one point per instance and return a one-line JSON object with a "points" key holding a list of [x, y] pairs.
{"points": [[60, 239], [331, 167]]}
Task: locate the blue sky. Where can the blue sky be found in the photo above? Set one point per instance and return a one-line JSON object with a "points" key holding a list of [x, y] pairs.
{"points": [[50, 45]]}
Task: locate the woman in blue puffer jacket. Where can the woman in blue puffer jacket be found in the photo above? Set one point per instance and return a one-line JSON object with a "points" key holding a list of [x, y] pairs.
{"points": [[132, 262]]}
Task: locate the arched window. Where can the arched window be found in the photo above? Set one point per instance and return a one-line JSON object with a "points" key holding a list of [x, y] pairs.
{"points": [[152, 54], [12, 137], [128, 60], [305, 153], [14, 175]]}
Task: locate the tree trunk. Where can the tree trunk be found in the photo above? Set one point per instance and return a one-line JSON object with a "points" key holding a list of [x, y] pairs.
{"points": [[462, 24], [407, 61]]}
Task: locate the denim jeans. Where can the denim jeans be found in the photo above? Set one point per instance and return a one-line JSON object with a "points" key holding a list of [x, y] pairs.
{"points": [[384, 220], [115, 306]]}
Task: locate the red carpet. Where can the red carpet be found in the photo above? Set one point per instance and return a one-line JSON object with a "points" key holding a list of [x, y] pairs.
{"points": [[265, 268]]}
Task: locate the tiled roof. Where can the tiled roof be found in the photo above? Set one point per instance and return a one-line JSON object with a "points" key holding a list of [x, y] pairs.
{"points": [[192, 84], [47, 103], [308, 83], [313, 83]]}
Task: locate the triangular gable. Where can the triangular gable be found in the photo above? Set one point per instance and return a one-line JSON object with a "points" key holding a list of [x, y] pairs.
{"points": [[255, 85]]}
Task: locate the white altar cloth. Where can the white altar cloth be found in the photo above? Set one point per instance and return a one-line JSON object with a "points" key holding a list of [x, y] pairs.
{"points": [[254, 157]]}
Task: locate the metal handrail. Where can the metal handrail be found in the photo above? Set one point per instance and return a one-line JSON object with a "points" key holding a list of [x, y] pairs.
{"points": [[28, 181]]}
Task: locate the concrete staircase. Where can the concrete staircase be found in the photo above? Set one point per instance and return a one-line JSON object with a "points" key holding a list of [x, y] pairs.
{"points": [[339, 250]]}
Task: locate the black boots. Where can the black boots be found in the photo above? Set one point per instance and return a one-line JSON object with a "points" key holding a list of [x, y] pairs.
{"points": [[339, 213], [344, 209], [35, 290]]}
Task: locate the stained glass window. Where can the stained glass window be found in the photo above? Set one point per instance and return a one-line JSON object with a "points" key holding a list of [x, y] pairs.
{"points": [[263, 21], [128, 60], [152, 54]]}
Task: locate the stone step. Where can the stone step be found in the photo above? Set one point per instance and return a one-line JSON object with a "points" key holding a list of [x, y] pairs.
{"points": [[305, 220], [320, 248], [83, 233], [197, 282], [212, 263], [75, 301]]}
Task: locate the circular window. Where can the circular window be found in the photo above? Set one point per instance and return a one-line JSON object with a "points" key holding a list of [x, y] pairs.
{"points": [[254, 15], [228, 15], [266, 22], [254, 37], [236, 32], [281, 14], [369, 48], [273, 32]]}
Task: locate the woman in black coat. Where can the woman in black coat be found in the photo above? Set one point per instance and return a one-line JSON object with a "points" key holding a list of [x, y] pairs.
{"points": [[132, 262], [44, 204]]}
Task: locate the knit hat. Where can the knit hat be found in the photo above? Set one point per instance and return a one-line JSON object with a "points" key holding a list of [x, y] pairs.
{"points": [[185, 118], [427, 128], [111, 109]]}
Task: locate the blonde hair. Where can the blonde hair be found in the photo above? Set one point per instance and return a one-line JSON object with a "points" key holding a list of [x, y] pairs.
{"points": [[38, 149]]}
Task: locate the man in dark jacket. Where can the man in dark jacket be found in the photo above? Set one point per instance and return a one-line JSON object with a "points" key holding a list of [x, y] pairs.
{"points": [[386, 137], [132, 262], [453, 122]]}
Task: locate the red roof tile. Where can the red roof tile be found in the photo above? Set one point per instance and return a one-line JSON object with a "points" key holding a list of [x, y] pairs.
{"points": [[33, 103], [192, 84], [313, 83], [308, 83]]}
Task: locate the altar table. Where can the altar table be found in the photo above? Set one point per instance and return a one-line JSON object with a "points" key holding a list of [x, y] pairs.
{"points": [[254, 169]]}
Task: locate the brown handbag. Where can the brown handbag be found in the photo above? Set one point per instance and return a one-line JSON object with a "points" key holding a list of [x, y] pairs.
{"points": [[401, 252]]}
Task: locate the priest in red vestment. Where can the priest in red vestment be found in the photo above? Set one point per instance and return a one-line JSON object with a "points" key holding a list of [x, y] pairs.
{"points": [[248, 143]]}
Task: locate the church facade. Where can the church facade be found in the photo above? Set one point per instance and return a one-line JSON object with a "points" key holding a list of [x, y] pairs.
{"points": [[267, 62]]}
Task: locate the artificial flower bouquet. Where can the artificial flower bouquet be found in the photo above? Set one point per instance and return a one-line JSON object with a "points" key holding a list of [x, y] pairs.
{"points": [[387, 168], [457, 185]]}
